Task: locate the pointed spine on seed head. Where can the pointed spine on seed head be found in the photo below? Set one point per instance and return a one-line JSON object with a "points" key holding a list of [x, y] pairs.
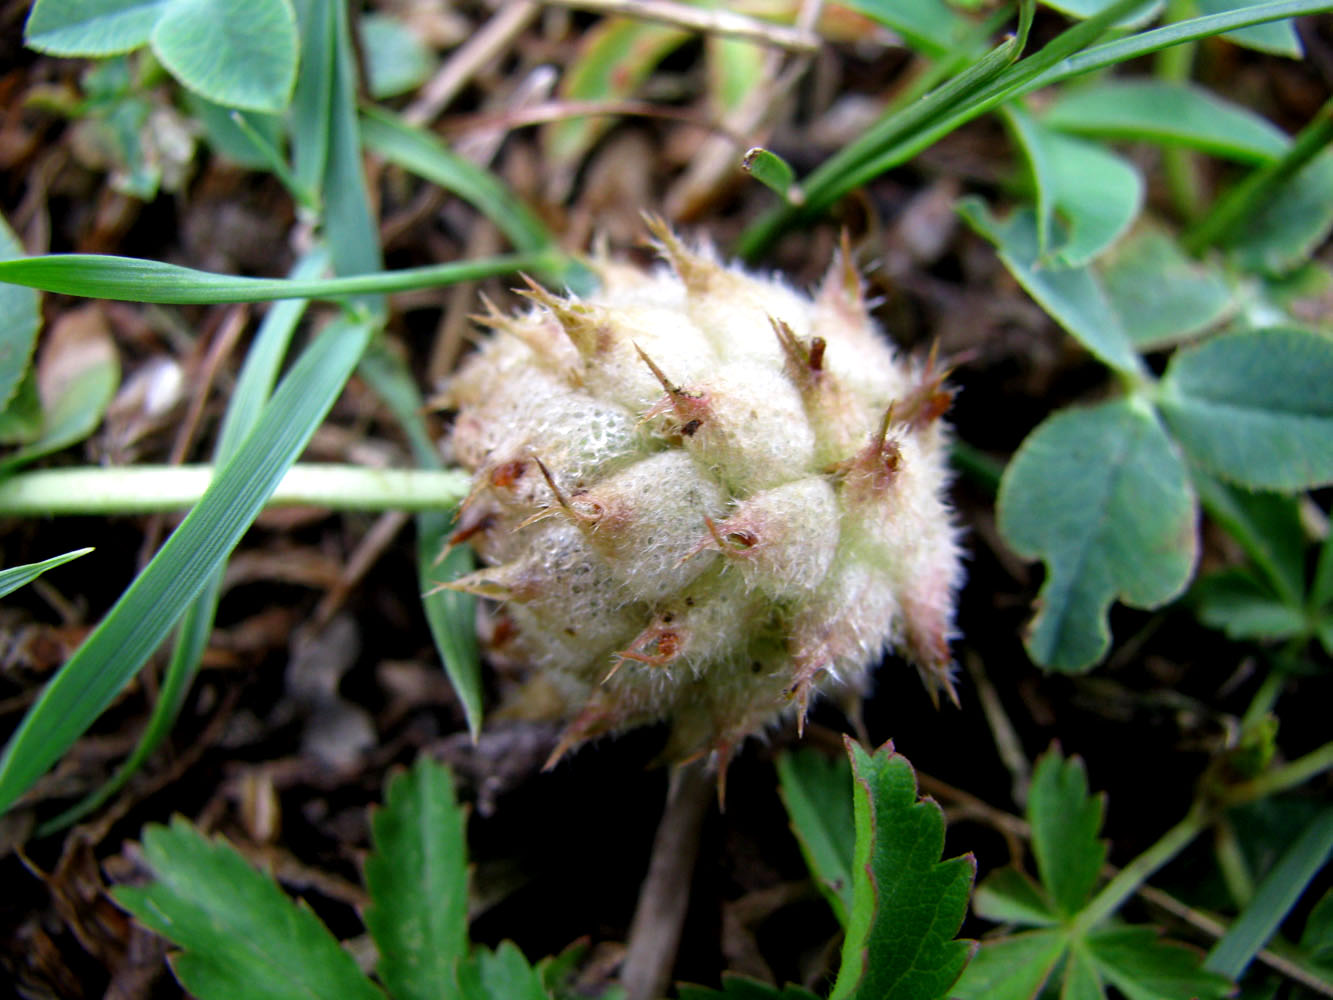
{"points": [[842, 288], [871, 471], [581, 513], [690, 408], [930, 399], [585, 325], [696, 271], [804, 365]]}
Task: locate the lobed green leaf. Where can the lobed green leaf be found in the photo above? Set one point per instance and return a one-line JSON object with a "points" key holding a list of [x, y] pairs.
{"points": [[417, 878], [239, 53], [1072, 296], [1102, 497], [908, 905], [1144, 967], [91, 27], [1065, 821], [1011, 968], [817, 793], [503, 974], [1010, 896], [240, 934], [1245, 607], [1254, 407]]}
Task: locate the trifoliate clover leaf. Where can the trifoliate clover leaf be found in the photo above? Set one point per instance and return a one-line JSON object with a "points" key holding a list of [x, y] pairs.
{"points": [[239, 933]]}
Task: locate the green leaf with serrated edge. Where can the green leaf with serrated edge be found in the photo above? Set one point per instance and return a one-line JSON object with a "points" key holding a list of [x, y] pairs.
{"points": [[14, 577], [1276, 37], [240, 934], [21, 308], [397, 60], [1266, 525], [614, 58], [240, 53], [451, 614], [1071, 296], [1274, 897], [145, 613], [1160, 294], [1255, 407], [91, 27], [1096, 194], [1321, 590], [1080, 979], [1291, 223], [417, 878], [1137, 962], [1241, 605], [1065, 821], [817, 793], [503, 974], [1011, 968], [907, 905], [1010, 896], [1167, 112], [1102, 497], [1317, 937], [742, 988]]}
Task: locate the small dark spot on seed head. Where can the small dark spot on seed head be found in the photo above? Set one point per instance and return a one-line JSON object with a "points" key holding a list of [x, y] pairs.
{"points": [[689, 429], [817, 346]]}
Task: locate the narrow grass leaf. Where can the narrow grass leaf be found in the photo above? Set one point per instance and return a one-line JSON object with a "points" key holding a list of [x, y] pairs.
{"points": [[1102, 497], [451, 614], [1065, 821], [1166, 112], [309, 122], [20, 576], [1011, 968], [1317, 937], [417, 878], [1159, 293], [1254, 407], [1072, 296], [421, 153], [253, 387], [1137, 962], [21, 309], [91, 27], [932, 27], [240, 934], [240, 53], [1096, 194], [907, 905], [130, 279], [774, 173], [397, 60], [502, 974], [817, 793], [1010, 896], [1274, 897], [1278, 38], [140, 620]]}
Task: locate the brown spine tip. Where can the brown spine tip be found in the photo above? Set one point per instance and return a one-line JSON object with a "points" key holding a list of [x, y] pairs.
{"points": [[690, 408], [842, 287], [583, 324], [930, 399]]}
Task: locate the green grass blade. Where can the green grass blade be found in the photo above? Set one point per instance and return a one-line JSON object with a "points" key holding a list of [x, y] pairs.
{"points": [[450, 614], [128, 279], [253, 388], [1274, 897], [423, 154], [140, 620], [20, 576]]}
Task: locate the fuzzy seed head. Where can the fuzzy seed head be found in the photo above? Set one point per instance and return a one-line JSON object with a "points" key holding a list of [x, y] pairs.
{"points": [[703, 497]]}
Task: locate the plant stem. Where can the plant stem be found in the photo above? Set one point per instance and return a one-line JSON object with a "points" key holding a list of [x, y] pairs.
{"points": [[1278, 779], [146, 489], [1134, 874]]}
